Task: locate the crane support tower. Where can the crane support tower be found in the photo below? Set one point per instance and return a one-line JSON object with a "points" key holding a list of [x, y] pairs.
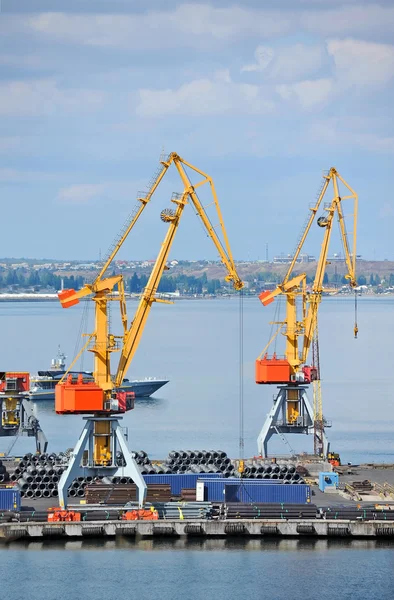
{"points": [[17, 411], [102, 400], [292, 411]]}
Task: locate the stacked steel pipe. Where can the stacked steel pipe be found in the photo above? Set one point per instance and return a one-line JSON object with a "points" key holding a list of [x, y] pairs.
{"points": [[199, 461], [33, 516], [257, 469], [356, 513], [143, 461], [37, 475], [281, 511]]}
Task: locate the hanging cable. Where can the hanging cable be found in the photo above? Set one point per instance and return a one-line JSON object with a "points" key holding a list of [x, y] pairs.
{"points": [[355, 315], [241, 383]]}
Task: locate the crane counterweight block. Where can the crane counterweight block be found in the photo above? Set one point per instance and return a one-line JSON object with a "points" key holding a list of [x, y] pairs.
{"points": [[262, 297], [272, 370], [87, 397], [68, 298]]}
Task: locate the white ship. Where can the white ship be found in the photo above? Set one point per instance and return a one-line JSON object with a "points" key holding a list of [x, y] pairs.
{"points": [[42, 385]]}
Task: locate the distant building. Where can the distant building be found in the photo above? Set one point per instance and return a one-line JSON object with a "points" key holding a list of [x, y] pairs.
{"points": [[287, 258]]}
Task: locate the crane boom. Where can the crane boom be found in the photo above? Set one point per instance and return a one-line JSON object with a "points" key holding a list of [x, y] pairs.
{"points": [[133, 335], [224, 252], [294, 287], [134, 217], [103, 287]]}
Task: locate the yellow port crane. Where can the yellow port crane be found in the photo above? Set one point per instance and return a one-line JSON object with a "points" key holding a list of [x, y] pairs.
{"points": [[104, 398], [102, 287], [292, 412]]}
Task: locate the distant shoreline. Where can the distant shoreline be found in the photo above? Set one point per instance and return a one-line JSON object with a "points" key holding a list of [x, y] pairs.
{"points": [[54, 297]]}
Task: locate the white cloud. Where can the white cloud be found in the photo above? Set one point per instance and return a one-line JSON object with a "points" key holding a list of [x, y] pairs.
{"points": [[288, 63], [263, 56], [193, 24], [295, 62], [10, 175], [80, 193], [187, 24], [203, 97], [43, 96], [309, 94], [355, 62], [115, 190], [352, 133], [364, 19], [362, 63]]}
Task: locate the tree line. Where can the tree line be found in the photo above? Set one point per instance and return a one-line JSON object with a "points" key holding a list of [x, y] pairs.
{"points": [[186, 284], [44, 279]]}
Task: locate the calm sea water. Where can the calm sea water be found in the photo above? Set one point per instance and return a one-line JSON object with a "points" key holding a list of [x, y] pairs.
{"points": [[196, 345], [285, 570]]}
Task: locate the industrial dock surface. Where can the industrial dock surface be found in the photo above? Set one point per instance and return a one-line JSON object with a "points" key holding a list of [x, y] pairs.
{"points": [[320, 518]]}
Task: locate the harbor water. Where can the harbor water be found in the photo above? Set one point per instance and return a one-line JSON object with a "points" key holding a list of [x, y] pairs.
{"points": [[284, 570], [195, 344]]}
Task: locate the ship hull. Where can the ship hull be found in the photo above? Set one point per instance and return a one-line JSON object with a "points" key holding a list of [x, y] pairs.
{"points": [[141, 389]]}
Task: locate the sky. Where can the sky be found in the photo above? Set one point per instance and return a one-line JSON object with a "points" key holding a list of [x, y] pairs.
{"points": [[261, 95]]}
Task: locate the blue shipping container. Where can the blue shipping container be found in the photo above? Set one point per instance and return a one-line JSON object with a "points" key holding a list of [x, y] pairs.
{"points": [[10, 499], [179, 481], [225, 490]]}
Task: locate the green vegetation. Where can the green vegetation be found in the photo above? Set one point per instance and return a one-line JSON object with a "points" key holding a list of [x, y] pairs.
{"points": [[19, 279], [178, 279]]}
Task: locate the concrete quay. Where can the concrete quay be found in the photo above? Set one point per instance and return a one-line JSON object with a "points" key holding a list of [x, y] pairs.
{"points": [[241, 528]]}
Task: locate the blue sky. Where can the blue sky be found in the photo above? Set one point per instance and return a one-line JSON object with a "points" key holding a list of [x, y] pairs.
{"points": [[261, 95]]}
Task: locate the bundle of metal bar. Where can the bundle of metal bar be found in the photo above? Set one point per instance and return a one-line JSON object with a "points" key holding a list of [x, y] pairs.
{"points": [[99, 493], [183, 510], [269, 511], [188, 494]]}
